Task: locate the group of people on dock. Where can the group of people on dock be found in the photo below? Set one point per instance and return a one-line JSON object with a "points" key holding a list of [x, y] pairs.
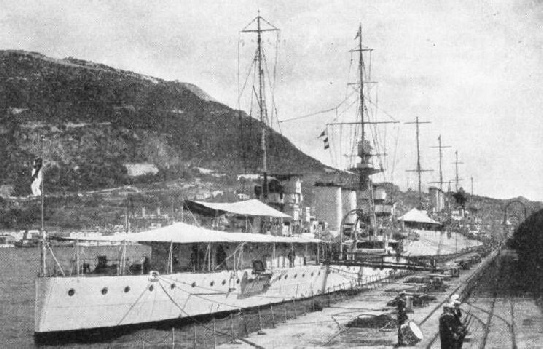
{"points": [[452, 329]]}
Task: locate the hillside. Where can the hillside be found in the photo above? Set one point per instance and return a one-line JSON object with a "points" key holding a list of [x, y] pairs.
{"points": [[94, 119]]}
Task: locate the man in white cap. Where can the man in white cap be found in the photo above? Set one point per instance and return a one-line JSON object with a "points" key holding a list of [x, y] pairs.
{"points": [[459, 324], [447, 328]]}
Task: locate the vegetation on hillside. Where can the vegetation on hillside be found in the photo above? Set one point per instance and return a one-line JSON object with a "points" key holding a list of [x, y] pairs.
{"points": [[87, 120]]}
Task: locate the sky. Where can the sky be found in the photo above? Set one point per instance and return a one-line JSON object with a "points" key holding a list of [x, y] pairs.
{"points": [[474, 69]]}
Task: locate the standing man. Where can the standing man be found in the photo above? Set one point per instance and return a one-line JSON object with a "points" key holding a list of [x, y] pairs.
{"points": [[447, 328], [402, 316], [459, 324]]}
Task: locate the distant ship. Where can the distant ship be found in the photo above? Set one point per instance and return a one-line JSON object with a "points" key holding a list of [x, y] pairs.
{"points": [[30, 239], [6, 241]]}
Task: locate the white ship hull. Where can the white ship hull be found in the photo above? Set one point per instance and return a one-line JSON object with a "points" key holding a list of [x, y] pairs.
{"points": [[110, 301]]}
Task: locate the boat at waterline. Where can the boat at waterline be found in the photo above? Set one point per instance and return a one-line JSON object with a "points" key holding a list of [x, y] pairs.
{"points": [[191, 271]]}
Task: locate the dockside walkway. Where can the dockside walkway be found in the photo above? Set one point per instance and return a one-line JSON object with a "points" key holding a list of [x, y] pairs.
{"points": [[332, 327]]}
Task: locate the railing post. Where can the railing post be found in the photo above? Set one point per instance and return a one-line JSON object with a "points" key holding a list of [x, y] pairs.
{"points": [[273, 316], [260, 332], [244, 321], [232, 327], [294, 306], [214, 334], [173, 337], [195, 338]]}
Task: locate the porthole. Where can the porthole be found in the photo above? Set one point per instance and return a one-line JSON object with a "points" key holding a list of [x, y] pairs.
{"points": [[212, 283], [303, 275], [151, 288], [237, 282], [279, 278], [313, 274], [295, 276], [104, 291], [224, 282], [193, 284], [126, 289], [286, 276], [71, 292], [319, 273], [172, 286]]}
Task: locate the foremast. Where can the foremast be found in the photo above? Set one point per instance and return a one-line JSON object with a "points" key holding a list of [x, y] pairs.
{"points": [[261, 94], [365, 169], [365, 150], [364, 187]]}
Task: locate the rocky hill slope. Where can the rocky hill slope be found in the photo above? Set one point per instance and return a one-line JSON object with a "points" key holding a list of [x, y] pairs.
{"points": [[89, 120]]}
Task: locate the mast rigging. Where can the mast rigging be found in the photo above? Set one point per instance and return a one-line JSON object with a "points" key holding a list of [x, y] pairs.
{"points": [[419, 169], [261, 94], [441, 147]]}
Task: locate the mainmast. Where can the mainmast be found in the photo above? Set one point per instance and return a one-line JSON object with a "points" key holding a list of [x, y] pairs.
{"points": [[259, 57], [441, 147], [364, 147], [457, 178], [419, 169], [365, 169], [361, 82]]}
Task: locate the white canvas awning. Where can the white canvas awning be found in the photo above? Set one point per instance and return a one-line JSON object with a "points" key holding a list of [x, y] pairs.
{"points": [[183, 233], [245, 208], [417, 216]]}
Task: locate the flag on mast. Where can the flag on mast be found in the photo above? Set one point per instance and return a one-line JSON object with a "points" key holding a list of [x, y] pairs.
{"points": [[37, 176], [325, 140]]}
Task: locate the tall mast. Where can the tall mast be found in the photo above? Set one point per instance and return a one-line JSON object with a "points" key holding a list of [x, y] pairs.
{"points": [[263, 110], [361, 82], [441, 147], [364, 152], [261, 94], [457, 178], [42, 225], [419, 169]]}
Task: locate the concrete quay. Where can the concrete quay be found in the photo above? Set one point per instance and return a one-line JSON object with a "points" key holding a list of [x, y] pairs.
{"points": [[329, 328]]}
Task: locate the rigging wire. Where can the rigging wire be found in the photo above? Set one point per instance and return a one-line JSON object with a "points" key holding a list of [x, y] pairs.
{"points": [[395, 153]]}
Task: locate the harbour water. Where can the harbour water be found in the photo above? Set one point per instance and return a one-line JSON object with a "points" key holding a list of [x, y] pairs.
{"points": [[18, 270]]}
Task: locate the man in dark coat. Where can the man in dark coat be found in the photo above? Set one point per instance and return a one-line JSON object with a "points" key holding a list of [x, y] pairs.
{"points": [[459, 324], [402, 316], [447, 328]]}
